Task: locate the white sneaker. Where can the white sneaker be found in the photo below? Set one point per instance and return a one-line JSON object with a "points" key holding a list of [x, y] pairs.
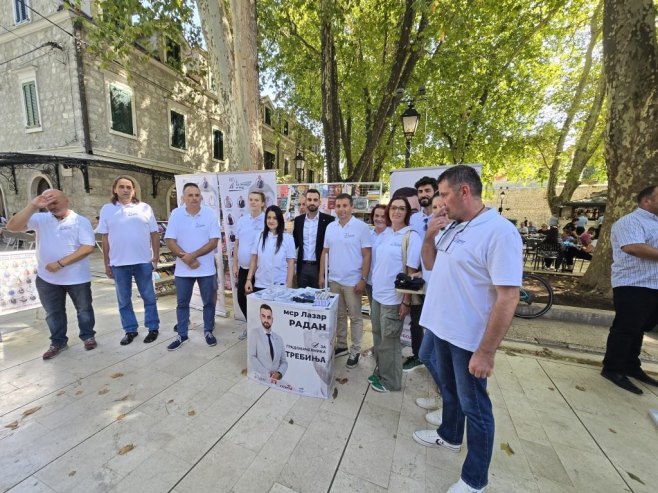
{"points": [[428, 403], [434, 417], [431, 438], [461, 487]]}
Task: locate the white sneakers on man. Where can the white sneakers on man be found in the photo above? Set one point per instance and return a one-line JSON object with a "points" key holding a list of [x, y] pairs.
{"points": [[461, 487], [434, 417], [431, 438], [429, 403]]}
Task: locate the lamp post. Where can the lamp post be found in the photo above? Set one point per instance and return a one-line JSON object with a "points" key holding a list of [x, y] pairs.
{"points": [[410, 119], [502, 199], [299, 164]]}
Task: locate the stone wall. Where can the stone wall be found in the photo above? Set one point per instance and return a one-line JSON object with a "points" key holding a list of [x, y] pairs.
{"points": [[531, 202]]}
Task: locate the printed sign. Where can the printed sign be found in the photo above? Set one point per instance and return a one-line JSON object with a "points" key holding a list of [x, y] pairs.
{"points": [[18, 272], [297, 356]]}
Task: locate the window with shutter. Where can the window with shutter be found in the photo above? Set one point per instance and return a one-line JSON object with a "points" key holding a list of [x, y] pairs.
{"points": [[217, 145], [121, 109], [177, 130], [31, 104], [21, 12]]}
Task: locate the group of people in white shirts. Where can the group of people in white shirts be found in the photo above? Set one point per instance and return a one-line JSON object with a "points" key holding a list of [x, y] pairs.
{"points": [[469, 255]]}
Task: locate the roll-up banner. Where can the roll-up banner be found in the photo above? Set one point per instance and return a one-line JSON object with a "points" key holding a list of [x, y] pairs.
{"points": [[234, 190]]}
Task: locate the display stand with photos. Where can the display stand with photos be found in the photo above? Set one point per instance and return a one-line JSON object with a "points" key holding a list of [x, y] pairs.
{"points": [[300, 359], [163, 276], [364, 197]]}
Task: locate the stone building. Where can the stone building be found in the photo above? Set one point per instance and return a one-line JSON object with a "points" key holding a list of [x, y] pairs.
{"points": [[71, 123], [287, 145]]}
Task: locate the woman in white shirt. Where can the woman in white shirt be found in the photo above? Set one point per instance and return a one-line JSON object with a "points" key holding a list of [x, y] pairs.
{"points": [[379, 220], [273, 255], [389, 308]]}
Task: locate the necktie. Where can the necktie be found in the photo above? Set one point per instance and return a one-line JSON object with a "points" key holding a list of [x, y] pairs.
{"points": [[269, 339]]}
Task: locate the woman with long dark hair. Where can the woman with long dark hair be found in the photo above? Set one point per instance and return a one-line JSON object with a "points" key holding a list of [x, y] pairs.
{"points": [[273, 255]]}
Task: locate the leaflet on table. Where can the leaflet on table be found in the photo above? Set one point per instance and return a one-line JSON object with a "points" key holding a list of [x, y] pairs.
{"points": [[234, 190], [18, 273], [290, 347], [207, 183]]}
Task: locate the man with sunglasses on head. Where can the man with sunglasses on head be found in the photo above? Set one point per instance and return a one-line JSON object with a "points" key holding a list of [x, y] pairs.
{"points": [[470, 301]]}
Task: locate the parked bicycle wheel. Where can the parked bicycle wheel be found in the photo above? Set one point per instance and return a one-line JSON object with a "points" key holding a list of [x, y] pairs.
{"points": [[536, 297]]}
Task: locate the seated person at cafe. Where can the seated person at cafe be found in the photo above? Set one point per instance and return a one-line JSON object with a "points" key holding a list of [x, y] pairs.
{"points": [[544, 229], [532, 228], [549, 249], [572, 248]]}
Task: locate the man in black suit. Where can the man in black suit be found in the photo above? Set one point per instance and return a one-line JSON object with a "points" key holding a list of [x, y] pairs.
{"points": [[308, 233]]}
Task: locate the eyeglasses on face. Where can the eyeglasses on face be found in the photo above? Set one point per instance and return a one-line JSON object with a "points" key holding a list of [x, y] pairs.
{"points": [[400, 208]]}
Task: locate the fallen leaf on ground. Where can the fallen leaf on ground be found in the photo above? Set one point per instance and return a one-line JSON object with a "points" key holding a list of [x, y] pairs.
{"points": [[551, 389], [61, 392], [634, 477], [120, 417], [506, 448], [191, 413], [170, 401], [12, 426], [125, 449], [342, 381], [244, 371], [612, 430], [103, 391], [335, 392], [292, 422], [31, 411], [72, 473], [580, 387], [124, 398], [79, 392], [116, 375]]}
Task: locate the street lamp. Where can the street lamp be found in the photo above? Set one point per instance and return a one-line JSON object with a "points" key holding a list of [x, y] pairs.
{"points": [[299, 164], [502, 199], [410, 119]]}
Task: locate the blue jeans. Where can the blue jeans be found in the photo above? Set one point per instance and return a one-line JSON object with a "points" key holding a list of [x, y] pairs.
{"points": [[427, 354], [53, 300], [123, 276], [208, 290], [465, 396]]}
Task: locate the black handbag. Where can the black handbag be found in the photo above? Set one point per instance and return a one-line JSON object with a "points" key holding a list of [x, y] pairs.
{"points": [[406, 282]]}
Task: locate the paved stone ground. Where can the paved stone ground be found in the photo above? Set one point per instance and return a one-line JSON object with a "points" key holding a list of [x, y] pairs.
{"points": [[139, 418]]}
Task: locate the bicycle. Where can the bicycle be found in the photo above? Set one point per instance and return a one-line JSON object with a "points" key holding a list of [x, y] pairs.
{"points": [[536, 297]]}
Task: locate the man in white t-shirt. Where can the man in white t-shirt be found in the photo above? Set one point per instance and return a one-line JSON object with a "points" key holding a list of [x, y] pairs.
{"points": [[64, 241], [131, 247], [476, 264], [347, 243], [247, 231], [192, 235]]}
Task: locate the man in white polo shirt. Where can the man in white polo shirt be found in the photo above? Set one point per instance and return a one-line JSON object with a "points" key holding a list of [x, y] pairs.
{"points": [[192, 235], [476, 264], [131, 247], [246, 234], [64, 241], [347, 244]]}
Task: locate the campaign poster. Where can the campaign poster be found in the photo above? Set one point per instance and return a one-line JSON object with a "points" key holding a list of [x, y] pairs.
{"points": [[207, 183], [407, 177], [234, 190], [18, 272], [300, 358]]}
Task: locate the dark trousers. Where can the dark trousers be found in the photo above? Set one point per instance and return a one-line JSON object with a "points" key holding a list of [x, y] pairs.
{"points": [[242, 296], [416, 330], [53, 300], [308, 276], [636, 312]]}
